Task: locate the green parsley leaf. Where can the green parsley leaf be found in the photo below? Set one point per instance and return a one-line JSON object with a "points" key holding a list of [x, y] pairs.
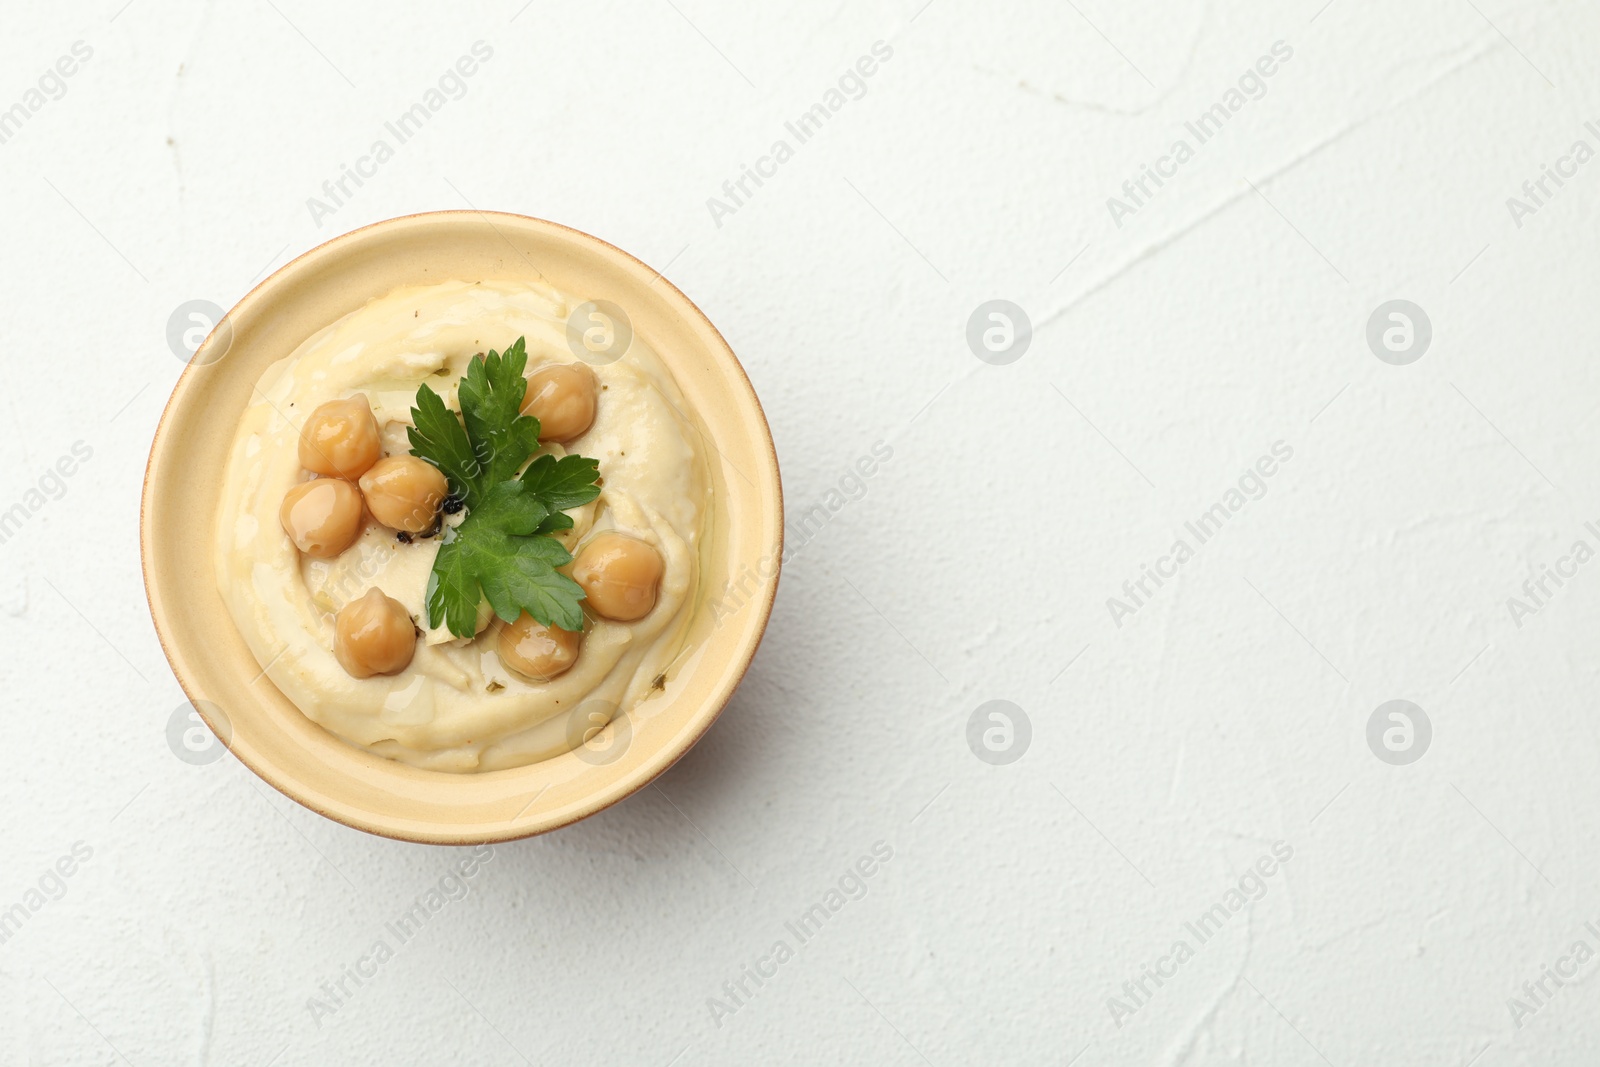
{"points": [[438, 437], [491, 402], [508, 507], [528, 581], [496, 549], [453, 590], [556, 522], [501, 551], [563, 483]]}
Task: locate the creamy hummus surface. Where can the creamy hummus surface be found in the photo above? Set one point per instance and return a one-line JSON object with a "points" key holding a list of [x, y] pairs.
{"points": [[456, 707]]}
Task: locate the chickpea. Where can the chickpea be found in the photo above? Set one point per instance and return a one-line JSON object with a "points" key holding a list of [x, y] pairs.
{"points": [[562, 397], [340, 439], [541, 652], [404, 492], [322, 517], [374, 635], [619, 575]]}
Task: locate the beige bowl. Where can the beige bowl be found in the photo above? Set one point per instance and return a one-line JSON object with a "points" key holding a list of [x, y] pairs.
{"points": [[744, 541]]}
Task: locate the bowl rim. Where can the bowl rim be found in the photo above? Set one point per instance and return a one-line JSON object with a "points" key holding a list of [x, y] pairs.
{"points": [[659, 762]]}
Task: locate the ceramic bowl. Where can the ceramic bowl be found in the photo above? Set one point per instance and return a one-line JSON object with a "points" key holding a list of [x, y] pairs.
{"points": [[740, 556]]}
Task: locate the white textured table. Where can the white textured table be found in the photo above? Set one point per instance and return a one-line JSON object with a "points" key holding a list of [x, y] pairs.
{"points": [[1214, 847]]}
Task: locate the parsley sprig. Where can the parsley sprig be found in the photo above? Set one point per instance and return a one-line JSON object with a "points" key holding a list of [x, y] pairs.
{"points": [[502, 550]]}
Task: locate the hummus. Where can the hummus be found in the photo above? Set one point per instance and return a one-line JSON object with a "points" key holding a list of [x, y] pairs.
{"points": [[456, 707]]}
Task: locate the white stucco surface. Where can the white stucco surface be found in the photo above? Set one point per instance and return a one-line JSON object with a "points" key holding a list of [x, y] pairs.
{"points": [[1173, 739]]}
